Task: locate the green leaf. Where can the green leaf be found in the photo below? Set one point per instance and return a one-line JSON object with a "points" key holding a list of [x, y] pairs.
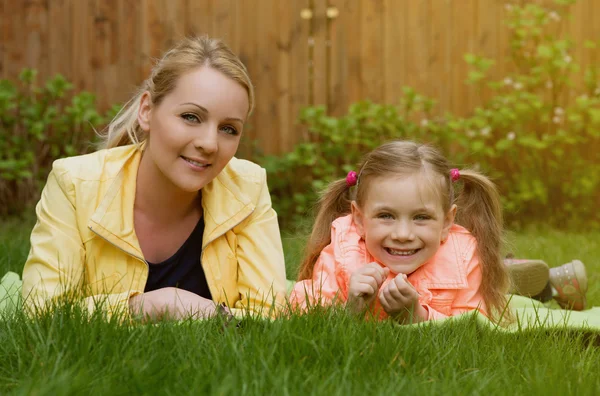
{"points": [[544, 51]]}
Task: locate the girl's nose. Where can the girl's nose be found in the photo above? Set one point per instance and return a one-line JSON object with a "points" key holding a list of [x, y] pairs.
{"points": [[403, 231]]}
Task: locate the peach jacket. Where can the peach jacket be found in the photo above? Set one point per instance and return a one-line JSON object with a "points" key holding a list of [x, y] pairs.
{"points": [[448, 284]]}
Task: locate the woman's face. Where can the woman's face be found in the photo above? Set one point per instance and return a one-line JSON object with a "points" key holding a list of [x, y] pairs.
{"points": [[195, 131]]}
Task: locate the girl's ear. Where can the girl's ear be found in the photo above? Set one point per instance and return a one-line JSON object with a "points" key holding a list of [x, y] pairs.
{"points": [[448, 221], [144, 112], [358, 218]]}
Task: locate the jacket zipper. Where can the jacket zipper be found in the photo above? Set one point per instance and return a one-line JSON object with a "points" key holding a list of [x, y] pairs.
{"points": [[121, 249]]}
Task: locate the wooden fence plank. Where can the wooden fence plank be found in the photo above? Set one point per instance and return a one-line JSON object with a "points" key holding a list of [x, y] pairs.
{"points": [[416, 47], [15, 45], [105, 49], [298, 71], [36, 32], [199, 17], [394, 67], [81, 22], [371, 45], [60, 37], [463, 42], [285, 122], [349, 62], [320, 80], [248, 47], [224, 21], [266, 76], [2, 38], [130, 62], [440, 53]]}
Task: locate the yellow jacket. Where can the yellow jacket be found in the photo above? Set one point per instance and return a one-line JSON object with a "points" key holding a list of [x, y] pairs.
{"points": [[84, 240]]}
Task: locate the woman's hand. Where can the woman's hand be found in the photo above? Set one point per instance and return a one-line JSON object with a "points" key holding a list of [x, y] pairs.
{"points": [[400, 301], [364, 285], [171, 303]]}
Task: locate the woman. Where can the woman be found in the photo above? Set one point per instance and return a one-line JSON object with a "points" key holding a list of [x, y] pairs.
{"points": [[164, 221]]}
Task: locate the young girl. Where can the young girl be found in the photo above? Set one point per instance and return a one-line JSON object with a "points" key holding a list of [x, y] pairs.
{"points": [[394, 239]]}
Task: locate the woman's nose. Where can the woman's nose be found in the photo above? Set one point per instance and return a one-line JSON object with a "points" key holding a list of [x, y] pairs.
{"points": [[207, 139]]}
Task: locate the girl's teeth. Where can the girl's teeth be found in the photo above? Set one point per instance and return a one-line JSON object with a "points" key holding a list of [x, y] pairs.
{"points": [[402, 252]]}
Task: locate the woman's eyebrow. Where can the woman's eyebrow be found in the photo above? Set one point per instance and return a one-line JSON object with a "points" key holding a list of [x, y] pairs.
{"points": [[204, 110], [197, 105]]}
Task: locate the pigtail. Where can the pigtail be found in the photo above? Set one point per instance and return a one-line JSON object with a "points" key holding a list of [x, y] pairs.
{"points": [[480, 211], [334, 202]]}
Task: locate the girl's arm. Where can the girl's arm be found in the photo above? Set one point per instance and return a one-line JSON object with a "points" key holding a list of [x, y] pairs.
{"points": [[323, 287]]}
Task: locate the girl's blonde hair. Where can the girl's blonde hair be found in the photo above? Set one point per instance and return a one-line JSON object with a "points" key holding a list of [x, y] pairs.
{"points": [[188, 55], [479, 209]]}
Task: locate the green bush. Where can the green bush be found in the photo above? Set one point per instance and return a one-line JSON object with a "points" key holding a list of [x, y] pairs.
{"points": [[38, 125], [538, 136]]}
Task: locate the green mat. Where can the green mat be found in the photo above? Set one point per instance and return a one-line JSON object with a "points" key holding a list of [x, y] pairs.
{"points": [[528, 313], [10, 293]]}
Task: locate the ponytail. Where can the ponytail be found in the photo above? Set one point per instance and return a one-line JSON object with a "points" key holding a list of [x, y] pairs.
{"points": [[480, 211], [334, 202], [124, 128]]}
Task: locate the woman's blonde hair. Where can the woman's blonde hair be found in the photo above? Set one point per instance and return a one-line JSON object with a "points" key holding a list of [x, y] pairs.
{"points": [[479, 209], [189, 54]]}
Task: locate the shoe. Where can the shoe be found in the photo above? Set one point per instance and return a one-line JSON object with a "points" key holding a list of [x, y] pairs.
{"points": [[527, 277], [571, 283]]}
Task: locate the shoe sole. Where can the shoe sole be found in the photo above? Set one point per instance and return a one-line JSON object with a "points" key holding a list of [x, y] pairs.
{"points": [[581, 275], [571, 299], [528, 277]]}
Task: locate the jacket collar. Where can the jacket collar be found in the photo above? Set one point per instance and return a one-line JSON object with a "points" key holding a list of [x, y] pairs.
{"points": [[223, 203]]}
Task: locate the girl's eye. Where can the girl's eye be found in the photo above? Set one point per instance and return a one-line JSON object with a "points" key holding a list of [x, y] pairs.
{"points": [[422, 217], [228, 129], [385, 216], [190, 117]]}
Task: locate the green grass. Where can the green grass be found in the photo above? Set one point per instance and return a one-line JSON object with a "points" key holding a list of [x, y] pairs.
{"points": [[325, 352]]}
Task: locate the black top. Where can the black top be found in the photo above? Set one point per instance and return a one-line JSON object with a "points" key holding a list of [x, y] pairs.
{"points": [[182, 270]]}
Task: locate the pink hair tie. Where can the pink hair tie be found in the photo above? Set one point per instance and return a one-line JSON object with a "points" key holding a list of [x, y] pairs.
{"points": [[351, 179], [454, 174]]}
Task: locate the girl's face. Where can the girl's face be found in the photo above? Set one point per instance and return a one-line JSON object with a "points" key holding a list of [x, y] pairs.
{"points": [[402, 221], [195, 131]]}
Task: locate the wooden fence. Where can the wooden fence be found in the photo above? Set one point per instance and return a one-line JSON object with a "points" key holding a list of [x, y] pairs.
{"points": [[299, 52]]}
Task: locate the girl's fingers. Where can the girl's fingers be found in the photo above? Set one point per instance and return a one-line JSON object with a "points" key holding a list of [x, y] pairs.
{"points": [[405, 287], [383, 274], [395, 291], [380, 273], [365, 289], [383, 299]]}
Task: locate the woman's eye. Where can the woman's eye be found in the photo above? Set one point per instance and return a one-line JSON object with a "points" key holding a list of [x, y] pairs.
{"points": [[190, 117], [229, 130]]}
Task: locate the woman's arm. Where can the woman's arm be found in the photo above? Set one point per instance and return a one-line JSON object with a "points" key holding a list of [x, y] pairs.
{"points": [[261, 266], [55, 266], [171, 303]]}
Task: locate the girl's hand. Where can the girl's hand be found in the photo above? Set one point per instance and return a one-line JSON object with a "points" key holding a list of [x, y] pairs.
{"points": [[171, 303], [364, 285], [400, 301]]}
